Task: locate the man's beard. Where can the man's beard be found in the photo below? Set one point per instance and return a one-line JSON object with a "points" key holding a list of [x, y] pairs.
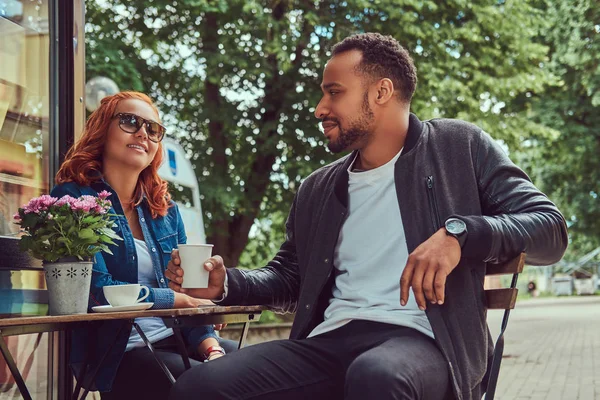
{"points": [[358, 131]]}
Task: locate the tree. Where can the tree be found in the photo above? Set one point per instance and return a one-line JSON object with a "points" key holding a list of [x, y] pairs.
{"points": [[567, 165], [240, 79]]}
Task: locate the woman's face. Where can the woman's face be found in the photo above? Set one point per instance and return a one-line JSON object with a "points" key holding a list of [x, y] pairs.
{"points": [[133, 150]]}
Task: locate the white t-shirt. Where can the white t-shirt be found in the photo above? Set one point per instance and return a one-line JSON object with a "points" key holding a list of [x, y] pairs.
{"points": [[370, 256], [153, 327]]}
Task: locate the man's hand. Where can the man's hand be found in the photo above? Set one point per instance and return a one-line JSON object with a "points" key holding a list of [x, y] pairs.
{"points": [[427, 269], [216, 280]]}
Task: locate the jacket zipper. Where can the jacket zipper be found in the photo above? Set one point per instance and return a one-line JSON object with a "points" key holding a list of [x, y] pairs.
{"points": [[435, 214], [436, 221]]}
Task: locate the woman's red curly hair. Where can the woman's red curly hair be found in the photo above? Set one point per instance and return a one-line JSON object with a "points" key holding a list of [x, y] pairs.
{"points": [[83, 162]]}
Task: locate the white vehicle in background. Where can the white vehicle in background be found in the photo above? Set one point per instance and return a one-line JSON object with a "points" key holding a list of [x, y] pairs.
{"points": [[177, 170]]}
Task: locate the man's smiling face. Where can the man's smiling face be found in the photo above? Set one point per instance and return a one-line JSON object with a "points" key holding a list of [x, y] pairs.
{"points": [[344, 111]]}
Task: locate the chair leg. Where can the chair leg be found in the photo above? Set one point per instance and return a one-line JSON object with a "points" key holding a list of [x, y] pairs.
{"points": [[158, 360], [499, 350], [12, 365], [79, 380], [182, 349], [93, 375], [86, 360], [495, 369], [244, 335]]}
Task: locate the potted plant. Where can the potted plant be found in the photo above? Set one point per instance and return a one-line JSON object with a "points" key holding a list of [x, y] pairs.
{"points": [[65, 233]]}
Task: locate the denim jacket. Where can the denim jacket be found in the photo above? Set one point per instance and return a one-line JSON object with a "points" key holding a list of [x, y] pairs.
{"points": [[162, 235]]}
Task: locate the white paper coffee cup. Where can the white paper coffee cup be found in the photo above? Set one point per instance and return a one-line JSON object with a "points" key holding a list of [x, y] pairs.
{"points": [[192, 262]]}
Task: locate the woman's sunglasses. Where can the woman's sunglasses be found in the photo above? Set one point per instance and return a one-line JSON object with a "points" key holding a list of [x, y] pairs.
{"points": [[132, 123]]}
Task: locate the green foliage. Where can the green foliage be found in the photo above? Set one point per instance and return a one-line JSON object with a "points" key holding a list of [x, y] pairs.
{"points": [[269, 317], [67, 227], [266, 240], [239, 81], [567, 166]]}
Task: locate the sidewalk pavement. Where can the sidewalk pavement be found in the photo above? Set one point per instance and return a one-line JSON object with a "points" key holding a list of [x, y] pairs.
{"points": [[552, 349]]}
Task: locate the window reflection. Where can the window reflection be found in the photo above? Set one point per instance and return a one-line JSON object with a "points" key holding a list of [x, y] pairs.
{"points": [[30, 353], [24, 152], [24, 105]]}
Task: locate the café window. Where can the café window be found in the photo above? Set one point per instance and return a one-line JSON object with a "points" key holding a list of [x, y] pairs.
{"points": [[24, 173], [24, 105]]}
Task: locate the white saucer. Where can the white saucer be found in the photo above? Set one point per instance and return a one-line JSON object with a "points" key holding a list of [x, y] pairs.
{"points": [[133, 307]]}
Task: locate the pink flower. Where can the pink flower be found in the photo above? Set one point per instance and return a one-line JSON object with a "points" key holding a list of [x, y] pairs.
{"points": [[88, 203], [99, 208], [82, 205], [104, 195], [33, 206], [38, 204], [66, 199], [46, 200], [17, 217], [50, 216]]}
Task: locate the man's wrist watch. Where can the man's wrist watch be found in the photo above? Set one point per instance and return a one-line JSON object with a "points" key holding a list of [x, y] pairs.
{"points": [[457, 228]]}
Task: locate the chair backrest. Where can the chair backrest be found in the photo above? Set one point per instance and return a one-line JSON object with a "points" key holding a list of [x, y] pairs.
{"points": [[502, 299], [505, 298]]}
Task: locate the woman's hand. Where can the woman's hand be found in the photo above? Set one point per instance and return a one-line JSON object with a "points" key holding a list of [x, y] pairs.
{"points": [[185, 301]]}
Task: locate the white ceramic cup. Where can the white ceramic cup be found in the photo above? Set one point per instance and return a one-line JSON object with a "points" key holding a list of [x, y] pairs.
{"points": [[125, 295], [192, 262]]}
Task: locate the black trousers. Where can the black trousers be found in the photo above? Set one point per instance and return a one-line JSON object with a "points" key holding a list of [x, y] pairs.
{"points": [[140, 377], [361, 360]]}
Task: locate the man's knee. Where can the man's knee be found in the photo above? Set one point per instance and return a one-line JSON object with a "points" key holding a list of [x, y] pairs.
{"points": [[199, 382], [374, 378]]}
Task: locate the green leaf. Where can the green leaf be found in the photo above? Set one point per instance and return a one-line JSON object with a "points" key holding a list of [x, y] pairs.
{"points": [[90, 219], [86, 233], [107, 240], [110, 233]]}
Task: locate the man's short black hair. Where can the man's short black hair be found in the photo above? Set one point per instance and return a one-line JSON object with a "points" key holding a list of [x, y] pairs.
{"points": [[383, 57]]}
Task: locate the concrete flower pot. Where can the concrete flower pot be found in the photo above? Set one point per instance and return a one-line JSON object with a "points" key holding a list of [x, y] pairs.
{"points": [[68, 283]]}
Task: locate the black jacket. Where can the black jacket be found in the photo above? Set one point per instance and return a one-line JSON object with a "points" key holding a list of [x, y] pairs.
{"points": [[448, 168]]}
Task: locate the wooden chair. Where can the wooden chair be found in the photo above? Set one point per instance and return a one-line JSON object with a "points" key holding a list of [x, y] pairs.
{"points": [[502, 299]]}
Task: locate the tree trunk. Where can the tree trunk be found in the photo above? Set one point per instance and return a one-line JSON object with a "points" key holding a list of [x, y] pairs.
{"points": [[230, 236]]}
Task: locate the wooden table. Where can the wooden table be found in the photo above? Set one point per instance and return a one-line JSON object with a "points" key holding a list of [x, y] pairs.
{"points": [[173, 318]]}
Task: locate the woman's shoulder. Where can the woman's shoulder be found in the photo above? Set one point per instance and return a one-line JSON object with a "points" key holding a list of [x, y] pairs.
{"points": [[72, 189], [172, 206], [66, 188], [172, 211]]}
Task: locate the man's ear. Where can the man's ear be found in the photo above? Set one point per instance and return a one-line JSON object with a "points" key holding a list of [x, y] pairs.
{"points": [[385, 91]]}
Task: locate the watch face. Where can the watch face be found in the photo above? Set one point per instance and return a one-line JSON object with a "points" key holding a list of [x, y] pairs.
{"points": [[456, 226]]}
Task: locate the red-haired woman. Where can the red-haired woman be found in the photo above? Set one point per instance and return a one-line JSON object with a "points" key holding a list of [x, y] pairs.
{"points": [[120, 151]]}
